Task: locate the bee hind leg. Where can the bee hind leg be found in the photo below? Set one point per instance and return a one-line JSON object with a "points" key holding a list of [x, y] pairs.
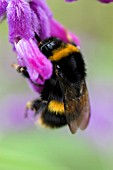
{"points": [[37, 106]]}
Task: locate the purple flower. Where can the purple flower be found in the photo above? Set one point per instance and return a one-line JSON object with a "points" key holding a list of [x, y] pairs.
{"points": [[43, 15], [29, 56], [59, 31], [3, 5], [19, 20], [106, 1], [25, 19]]}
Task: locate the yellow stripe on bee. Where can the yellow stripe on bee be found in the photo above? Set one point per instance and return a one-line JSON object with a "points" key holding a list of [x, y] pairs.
{"points": [[63, 52], [55, 106]]}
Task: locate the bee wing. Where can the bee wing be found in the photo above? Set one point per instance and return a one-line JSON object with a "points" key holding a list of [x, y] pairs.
{"points": [[77, 109], [85, 110]]}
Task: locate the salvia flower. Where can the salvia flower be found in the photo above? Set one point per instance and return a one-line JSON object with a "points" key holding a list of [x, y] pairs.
{"points": [[26, 18], [103, 1], [38, 67], [106, 1]]}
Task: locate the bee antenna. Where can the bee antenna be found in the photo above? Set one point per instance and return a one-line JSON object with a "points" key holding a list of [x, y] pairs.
{"points": [[37, 38]]}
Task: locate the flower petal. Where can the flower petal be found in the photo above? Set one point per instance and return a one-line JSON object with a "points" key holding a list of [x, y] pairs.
{"points": [[38, 66], [44, 24], [43, 14], [35, 23], [106, 1], [43, 5], [59, 31], [3, 5], [19, 20]]}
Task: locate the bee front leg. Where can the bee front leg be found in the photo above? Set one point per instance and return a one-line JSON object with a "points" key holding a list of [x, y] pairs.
{"points": [[21, 70]]}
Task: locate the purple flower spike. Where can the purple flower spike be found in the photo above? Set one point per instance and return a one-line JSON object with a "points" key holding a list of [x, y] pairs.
{"points": [[38, 66], [19, 20], [26, 18], [3, 5], [106, 1], [103, 1]]}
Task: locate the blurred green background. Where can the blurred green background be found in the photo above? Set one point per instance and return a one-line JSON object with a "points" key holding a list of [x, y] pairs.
{"points": [[24, 146]]}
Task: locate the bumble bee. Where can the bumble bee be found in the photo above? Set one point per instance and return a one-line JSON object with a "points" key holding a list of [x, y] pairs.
{"points": [[64, 99]]}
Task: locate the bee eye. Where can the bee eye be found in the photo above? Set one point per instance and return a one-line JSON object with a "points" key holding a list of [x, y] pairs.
{"points": [[49, 46]]}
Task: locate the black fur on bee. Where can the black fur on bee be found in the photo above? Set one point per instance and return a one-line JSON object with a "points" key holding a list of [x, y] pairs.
{"points": [[64, 98]]}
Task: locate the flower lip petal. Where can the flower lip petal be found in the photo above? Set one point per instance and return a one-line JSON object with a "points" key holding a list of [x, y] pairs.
{"points": [[57, 30], [38, 66]]}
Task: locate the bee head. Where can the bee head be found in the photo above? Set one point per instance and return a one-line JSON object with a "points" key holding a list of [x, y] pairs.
{"points": [[48, 45]]}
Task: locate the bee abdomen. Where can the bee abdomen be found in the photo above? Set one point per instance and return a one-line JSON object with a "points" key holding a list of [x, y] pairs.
{"points": [[52, 120]]}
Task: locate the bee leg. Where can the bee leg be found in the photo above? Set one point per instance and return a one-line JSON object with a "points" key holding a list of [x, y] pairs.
{"points": [[29, 106], [21, 70], [36, 105]]}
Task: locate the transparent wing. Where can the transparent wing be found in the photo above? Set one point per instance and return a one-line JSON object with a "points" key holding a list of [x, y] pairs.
{"points": [[76, 102]]}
